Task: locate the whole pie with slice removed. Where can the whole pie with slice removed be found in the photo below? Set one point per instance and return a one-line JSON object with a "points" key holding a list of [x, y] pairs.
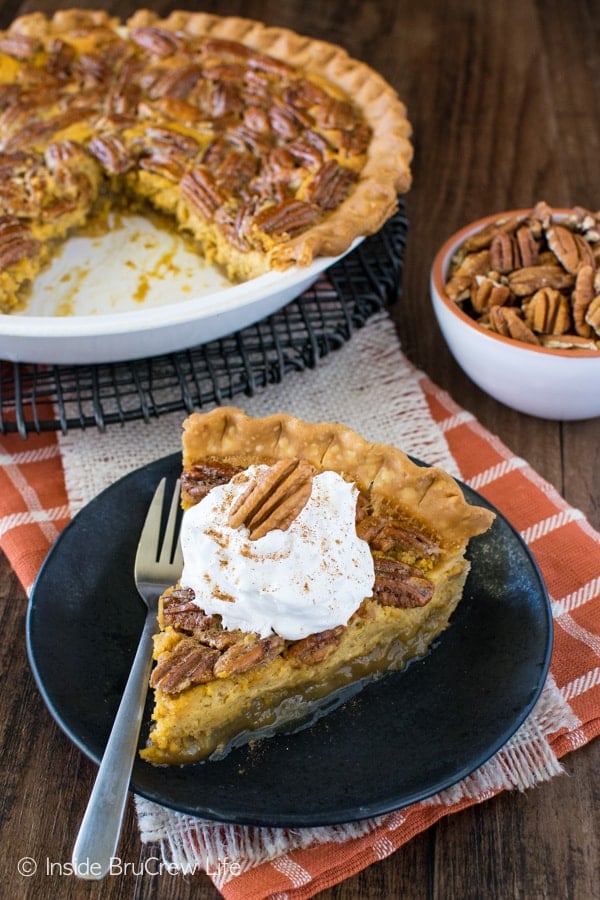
{"points": [[266, 147], [314, 561]]}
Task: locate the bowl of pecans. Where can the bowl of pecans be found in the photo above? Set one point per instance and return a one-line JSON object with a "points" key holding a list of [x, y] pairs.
{"points": [[517, 298]]}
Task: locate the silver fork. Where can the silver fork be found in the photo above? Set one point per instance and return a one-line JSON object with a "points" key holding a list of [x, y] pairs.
{"points": [[158, 565]]}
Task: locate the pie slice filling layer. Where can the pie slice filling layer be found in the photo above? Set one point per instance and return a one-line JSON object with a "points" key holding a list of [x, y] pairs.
{"points": [[314, 561]]}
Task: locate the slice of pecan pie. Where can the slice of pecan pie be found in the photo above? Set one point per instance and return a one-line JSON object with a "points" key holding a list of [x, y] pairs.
{"points": [[314, 561], [269, 148]]}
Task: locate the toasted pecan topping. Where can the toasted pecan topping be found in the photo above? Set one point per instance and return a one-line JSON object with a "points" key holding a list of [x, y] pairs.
{"points": [[286, 217], [330, 185], [218, 637], [181, 613], [21, 46], [248, 653], [187, 664], [274, 498], [111, 153], [202, 194], [397, 584], [385, 535], [316, 647], [16, 241], [197, 481], [156, 40]]}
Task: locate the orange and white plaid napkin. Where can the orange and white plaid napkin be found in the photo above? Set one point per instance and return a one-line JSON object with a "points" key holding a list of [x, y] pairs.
{"points": [[369, 385]]}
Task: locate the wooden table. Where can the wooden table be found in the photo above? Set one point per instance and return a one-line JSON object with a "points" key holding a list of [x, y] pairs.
{"points": [[505, 104]]}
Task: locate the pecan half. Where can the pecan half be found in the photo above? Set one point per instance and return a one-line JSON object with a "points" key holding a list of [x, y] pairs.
{"points": [[569, 248], [581, 298], [176, 83], [172, 141], [569, 342], [247, 654], [284, 121], [487, 293], [256, 119], [164, 164], [199, 190], [529, 279], [93, 70], [330, 185], [509, 322], [16, 242], [286, 217], [21, 46], [177, 110], [592, 316], [111, 153], [399, 585], [548, 312], [156, 40], [198, 480], [187, 664], [224, 47], [334, 114], [465, 272], [503, 253], [181, 613], [304, 93], [218, 637], [316, 647], [274, 498], [527, 246], [270, 64], [355, 142], [307, 150], [481, 240], [385, 535]]}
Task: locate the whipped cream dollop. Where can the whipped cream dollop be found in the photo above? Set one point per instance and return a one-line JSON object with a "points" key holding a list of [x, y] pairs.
{"points": [[306, 579]]}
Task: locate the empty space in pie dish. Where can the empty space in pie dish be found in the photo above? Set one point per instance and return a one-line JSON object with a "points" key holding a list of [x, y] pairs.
{"points": [[133, 264], [137, 289]]}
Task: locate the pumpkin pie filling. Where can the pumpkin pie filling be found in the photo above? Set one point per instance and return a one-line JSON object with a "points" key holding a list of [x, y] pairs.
{"points": [[222, 677], [267, 147]]}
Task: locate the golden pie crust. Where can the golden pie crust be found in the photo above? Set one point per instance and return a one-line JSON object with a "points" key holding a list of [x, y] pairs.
{"points": [[213, 689], [268, 147]]}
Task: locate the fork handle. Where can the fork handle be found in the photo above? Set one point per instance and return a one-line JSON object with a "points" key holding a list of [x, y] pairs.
{"points": [[100, 828]]}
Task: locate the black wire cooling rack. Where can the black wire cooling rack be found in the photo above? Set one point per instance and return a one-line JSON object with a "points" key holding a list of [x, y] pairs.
{"points": [[36, 398]]}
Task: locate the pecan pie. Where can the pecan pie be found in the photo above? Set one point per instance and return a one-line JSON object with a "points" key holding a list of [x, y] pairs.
{"points": [[267, 147], [218, 683]]}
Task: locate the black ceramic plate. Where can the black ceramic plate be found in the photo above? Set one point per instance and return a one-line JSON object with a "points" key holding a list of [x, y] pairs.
{"points": [[400, 740]]}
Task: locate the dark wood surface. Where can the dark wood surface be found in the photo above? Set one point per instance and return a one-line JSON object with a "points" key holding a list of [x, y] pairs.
{"points": [[505, 104]]}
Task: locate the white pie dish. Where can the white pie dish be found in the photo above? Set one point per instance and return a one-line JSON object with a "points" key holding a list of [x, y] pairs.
{"points": [[548, 383], [162, 298]]}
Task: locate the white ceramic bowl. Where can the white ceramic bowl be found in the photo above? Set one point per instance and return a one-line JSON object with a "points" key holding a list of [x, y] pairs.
{"points": [[549, 383]]}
